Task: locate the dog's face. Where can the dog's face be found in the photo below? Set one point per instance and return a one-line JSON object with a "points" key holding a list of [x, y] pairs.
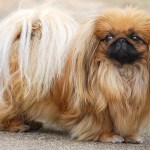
{"points": [[124, 36], [111, 49]]}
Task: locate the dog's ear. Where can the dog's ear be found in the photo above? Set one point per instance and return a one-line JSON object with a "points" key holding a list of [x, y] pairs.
{"points": [[84, 48]]}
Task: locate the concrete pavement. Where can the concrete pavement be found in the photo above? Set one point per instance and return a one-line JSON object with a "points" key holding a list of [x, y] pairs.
{"points": [[55, 140]]}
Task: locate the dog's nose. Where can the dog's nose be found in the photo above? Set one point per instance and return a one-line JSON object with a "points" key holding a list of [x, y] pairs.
{"points": [[121, 43], [121, 40], [123, 51]]}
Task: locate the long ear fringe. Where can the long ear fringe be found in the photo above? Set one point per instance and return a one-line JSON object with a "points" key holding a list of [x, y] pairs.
{"points": [[38, 63], [84, 47]]}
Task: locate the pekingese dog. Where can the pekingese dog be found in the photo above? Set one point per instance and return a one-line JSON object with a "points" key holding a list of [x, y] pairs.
{"points": [[91, 80]]}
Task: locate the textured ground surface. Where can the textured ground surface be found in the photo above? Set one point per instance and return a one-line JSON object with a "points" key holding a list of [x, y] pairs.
{"points": [[50, 140]]}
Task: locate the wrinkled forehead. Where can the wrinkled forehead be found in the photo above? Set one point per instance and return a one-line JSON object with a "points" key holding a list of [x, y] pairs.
{"points": [[123, 21]]}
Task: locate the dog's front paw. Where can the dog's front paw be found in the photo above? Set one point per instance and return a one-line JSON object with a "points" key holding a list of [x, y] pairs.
{"points": [[134, 140], [111, 138]]}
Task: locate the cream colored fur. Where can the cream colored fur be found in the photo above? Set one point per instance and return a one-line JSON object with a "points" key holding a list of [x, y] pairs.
{"points": [[41, 62]]}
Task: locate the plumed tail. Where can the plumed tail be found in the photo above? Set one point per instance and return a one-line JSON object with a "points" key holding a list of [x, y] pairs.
{"points": [[43, 37]]}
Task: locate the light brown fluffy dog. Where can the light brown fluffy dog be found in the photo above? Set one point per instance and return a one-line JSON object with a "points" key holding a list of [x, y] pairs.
{"points": [[95, 86]]}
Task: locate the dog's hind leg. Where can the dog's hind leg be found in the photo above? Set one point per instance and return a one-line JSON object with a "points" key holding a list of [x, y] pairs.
{"points": [[15, 125], [11, 120], [15, 122]]}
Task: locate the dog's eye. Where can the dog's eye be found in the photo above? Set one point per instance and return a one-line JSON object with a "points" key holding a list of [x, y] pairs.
{"points": [[108, 38], [136, 38]]}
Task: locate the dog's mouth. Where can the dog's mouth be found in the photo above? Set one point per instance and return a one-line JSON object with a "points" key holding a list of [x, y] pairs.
{"points": [[123, 52]]}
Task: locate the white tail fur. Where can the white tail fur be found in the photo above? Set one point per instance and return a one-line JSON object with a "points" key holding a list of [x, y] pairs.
{"points": [[39, 63]]}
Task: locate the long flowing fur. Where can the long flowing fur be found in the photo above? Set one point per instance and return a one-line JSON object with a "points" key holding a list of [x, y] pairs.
{"points": [[42, 59], [55, 73]]}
